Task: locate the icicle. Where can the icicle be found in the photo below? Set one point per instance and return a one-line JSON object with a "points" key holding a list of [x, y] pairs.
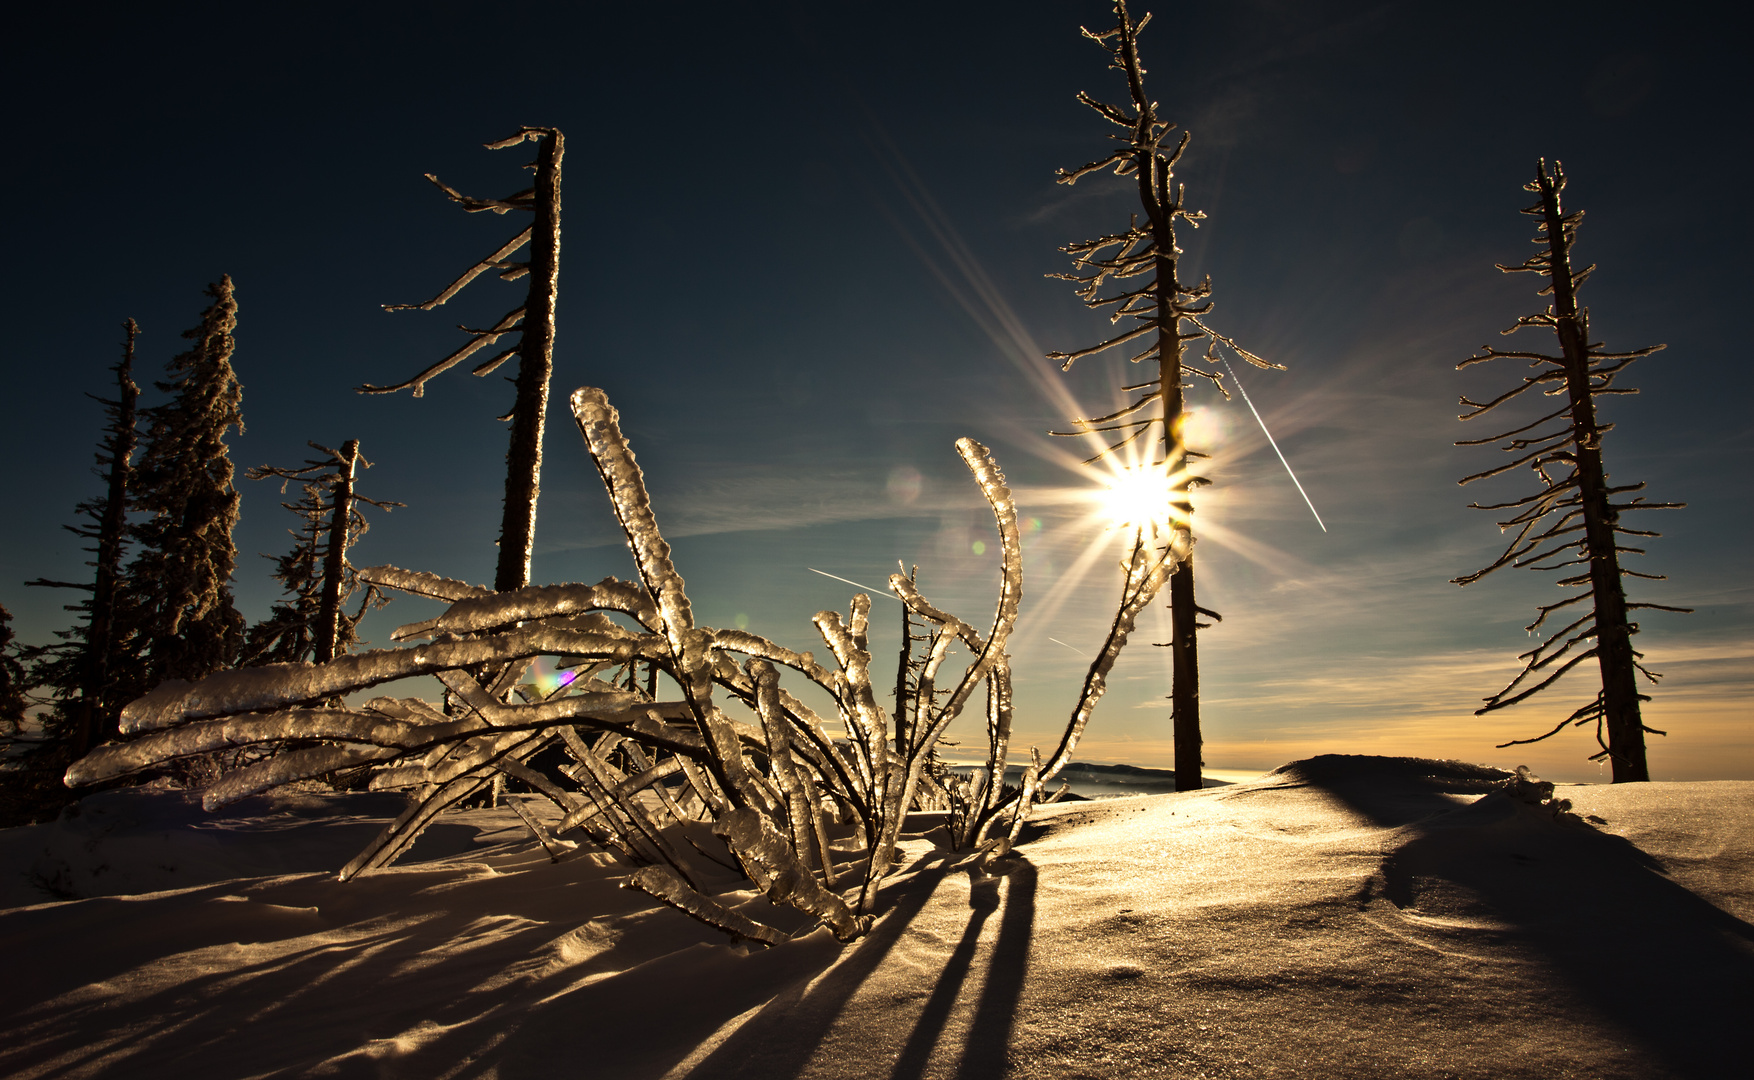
{"points": [[286, 767], [495, 610], [658, 882], [771, 865], [600, 424], [272, 685], [803, 817], [557, 849]]}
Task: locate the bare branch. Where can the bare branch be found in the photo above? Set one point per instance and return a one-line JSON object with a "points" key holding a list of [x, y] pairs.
{"points": [[494, 261], [482, 339]]}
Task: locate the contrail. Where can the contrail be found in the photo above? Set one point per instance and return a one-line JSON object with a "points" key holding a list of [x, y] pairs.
{"points": [[850, 581], [1057, 641], [1275, 445]]}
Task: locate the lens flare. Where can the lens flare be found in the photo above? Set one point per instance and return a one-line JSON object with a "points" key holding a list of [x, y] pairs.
{"points": [[547, 678], [1138, 497]]}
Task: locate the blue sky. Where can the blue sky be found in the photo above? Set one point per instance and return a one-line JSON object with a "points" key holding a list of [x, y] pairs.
{"points": [[805, 250]]}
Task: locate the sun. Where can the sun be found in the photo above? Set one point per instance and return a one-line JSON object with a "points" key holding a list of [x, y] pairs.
{"points": [[1138, 496]]}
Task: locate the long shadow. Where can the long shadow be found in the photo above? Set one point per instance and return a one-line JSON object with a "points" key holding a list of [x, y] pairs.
{"points": [[198, 1026], [373, 978], [1654, 959], [985, 1051], [342, 998], [783, 1036], [983, 898]]}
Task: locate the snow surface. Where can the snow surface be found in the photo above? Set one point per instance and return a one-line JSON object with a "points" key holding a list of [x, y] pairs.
{"points": [[1342, 916]]}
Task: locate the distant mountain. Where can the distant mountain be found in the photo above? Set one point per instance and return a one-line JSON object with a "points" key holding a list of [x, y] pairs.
{"points": [[1136, 778], [1126, 770]]}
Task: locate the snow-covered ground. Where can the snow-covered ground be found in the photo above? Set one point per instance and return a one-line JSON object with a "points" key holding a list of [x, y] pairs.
{"points": [[1343, 916]]}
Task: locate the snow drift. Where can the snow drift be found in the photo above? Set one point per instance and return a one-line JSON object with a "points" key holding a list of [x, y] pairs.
{"points": [[1339, 917]]}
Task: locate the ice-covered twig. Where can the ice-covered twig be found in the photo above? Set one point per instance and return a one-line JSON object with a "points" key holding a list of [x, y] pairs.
{"points": [[1571, 520]]}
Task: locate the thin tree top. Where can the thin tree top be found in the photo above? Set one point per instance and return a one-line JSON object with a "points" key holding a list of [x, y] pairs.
{"points": [[542, 199], [186, 449]]}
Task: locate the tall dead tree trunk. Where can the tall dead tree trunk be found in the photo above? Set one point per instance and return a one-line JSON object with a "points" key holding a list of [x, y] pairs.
{"points": [[1160, 307], [903, 670], [314, 625], [1575, 499], [534, 321], [1613, 634], [97, 722], [517, 534], [328, 636], [86, 665]]}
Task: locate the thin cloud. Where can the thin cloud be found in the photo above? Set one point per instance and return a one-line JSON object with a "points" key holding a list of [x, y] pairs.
{"points": [[760, 498]]}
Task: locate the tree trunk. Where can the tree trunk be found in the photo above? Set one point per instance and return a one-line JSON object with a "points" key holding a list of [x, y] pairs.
{"points": [[1183, 613], [535, 366], [1185, 695], [1613, 632], [96, 725], [904, 733], [328, 629]]}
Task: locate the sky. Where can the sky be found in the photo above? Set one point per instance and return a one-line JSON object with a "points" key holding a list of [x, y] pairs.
{"points": [[807, 247]]}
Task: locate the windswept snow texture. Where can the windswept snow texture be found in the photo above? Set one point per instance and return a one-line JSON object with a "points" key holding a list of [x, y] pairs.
{"points": [[1341, 917]]}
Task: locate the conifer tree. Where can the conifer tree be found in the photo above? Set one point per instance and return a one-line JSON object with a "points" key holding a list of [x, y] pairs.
{"points": [[30, 784], [96, 670], [13, 701], [1574, 519], [179, 582], [533, 320], [285, 636], [312, 624], [1167, 315]]}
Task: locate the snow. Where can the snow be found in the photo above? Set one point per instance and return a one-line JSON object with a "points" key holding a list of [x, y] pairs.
{"points": [[1342, 916]]}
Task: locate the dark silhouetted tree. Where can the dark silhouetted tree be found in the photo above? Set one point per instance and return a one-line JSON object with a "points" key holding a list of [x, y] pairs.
{"points": [[1140, 265], [313, 624], [179, 582], [1574, 519], [534, 322], [13, 702], [30, 779], [285, 636], [97, 669]]}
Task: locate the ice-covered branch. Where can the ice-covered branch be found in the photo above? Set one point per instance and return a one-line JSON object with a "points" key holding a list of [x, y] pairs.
{"points": [[494, 261], [481, 340], [1574, 505]]}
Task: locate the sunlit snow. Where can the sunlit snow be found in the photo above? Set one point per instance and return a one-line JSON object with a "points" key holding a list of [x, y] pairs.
{"points": [[1340, 917]]}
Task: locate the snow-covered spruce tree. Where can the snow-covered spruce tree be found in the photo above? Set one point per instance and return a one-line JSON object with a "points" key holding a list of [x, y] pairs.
{"points": [[97, 667], [533, 321], [178, 591], [1574, 519], [811, 819], [312, 623], [1141, 264]]}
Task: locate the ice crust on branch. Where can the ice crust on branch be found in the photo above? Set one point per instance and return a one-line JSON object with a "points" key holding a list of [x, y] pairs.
{"points": [[1572, 517], [813, 821], [1133, 277]]}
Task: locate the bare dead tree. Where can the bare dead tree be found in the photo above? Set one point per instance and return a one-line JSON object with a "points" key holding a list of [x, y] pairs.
{"points": [[314, 625], [1574, 519], [1166, 314], [905, 667], [533, 321], [87, 663]]}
